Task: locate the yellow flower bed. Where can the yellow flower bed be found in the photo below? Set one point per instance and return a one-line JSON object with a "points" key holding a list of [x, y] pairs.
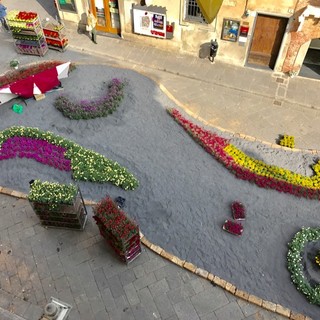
{"points": [[263, 169]]}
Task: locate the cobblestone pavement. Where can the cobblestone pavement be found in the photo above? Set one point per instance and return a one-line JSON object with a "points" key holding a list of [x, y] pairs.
{"points": [[79, 268]]}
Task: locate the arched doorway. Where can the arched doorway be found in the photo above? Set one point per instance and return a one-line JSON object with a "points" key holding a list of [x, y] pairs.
{"points": [[107, 13]]}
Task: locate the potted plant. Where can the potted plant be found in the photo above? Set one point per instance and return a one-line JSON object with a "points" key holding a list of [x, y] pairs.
{"points": [[233, 227], [238, 210], [121, 232], [57, 205], [14, 63]]}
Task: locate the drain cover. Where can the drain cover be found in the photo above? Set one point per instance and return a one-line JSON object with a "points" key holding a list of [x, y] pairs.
{"points": [[56, 310]]}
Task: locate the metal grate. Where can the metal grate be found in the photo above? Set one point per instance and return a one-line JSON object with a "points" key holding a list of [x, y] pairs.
{"points": [[193, 12]]}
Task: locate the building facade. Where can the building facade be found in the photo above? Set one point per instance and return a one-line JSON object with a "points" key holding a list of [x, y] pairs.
{"points": [[272, 34]]}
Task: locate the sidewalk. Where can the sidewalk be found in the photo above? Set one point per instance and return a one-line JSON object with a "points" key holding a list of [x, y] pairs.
{"points": [[79, 268]]}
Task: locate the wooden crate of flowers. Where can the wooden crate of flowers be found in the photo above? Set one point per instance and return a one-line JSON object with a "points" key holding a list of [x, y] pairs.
{"points": [[58, 205], [121, 232]]}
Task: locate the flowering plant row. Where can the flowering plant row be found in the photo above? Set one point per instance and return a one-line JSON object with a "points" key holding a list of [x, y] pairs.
{"points": [[247, 168], [112, 219], [268, 171], [29, 70], [295, 266], [86, 165], [24, 16], [39, 150], [35, 37], [52, 192], [87, 109]]}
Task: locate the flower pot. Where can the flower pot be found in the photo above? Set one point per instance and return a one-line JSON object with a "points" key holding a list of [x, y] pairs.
{"points": [[238, 211], [234, 228]]}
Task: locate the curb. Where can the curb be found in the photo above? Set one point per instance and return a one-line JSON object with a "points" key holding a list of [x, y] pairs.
{"points": [[235, 134], [229, 287]]}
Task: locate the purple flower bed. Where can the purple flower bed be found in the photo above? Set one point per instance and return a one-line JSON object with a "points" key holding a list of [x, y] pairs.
{"points": [[39, 150], [90, 109]]}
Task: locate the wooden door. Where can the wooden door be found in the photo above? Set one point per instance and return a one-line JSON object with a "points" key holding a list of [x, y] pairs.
{"points": [[266, 41], [107, 14]]}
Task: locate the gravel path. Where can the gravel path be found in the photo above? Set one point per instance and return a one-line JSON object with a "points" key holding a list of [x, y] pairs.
{"points": [[184, 194]]}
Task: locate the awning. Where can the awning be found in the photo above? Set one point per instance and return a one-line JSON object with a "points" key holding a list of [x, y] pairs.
{"points": [[209, 8]]}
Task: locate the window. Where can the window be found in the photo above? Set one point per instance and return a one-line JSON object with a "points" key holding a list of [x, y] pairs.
{"points": [[192, 12], [67, 5]]}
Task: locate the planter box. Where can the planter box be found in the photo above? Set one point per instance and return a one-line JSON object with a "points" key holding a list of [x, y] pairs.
{"points": [[238, 210], [119, 231], [234, 228], [70, 216]]}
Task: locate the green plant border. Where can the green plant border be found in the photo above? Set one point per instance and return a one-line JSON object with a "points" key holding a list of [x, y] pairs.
{"points": [[294, 258]]}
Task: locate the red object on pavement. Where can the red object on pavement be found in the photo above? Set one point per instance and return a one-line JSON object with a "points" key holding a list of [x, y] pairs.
{"points": [[45, 81]]}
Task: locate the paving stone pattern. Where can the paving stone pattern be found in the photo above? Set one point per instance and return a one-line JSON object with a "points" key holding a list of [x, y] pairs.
{"points": [[79, 268]]}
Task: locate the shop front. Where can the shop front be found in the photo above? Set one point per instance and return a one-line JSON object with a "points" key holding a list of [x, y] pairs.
{"points": [[106, 12]]}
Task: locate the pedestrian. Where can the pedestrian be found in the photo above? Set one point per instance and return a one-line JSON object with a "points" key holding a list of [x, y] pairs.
{"points": [[3, 13], [91, 26]]}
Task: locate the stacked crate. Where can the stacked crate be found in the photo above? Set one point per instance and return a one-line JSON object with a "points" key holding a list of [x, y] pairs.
{"points": [[28, 33], [55, 36], [121, 232], [71, 216]]}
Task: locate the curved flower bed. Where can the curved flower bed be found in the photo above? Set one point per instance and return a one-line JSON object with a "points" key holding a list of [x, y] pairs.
{"points": [[296, 246], [247, 168], [86, 109], [28, 70], [86, 165]]}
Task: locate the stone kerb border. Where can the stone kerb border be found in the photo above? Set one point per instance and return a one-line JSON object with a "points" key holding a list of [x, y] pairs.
{"points": [[267, 305], [252, 139], [235, 134]]}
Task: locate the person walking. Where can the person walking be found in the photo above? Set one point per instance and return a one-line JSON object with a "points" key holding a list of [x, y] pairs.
{"points": [[91, 23], [3, 13]]}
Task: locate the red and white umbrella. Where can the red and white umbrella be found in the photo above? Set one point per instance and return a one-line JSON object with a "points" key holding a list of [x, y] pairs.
{"points": [[35, 84]]}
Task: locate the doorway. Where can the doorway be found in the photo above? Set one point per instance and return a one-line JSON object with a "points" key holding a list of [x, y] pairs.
{"points": [[266, 41], [107, 14], [311, 64]]}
